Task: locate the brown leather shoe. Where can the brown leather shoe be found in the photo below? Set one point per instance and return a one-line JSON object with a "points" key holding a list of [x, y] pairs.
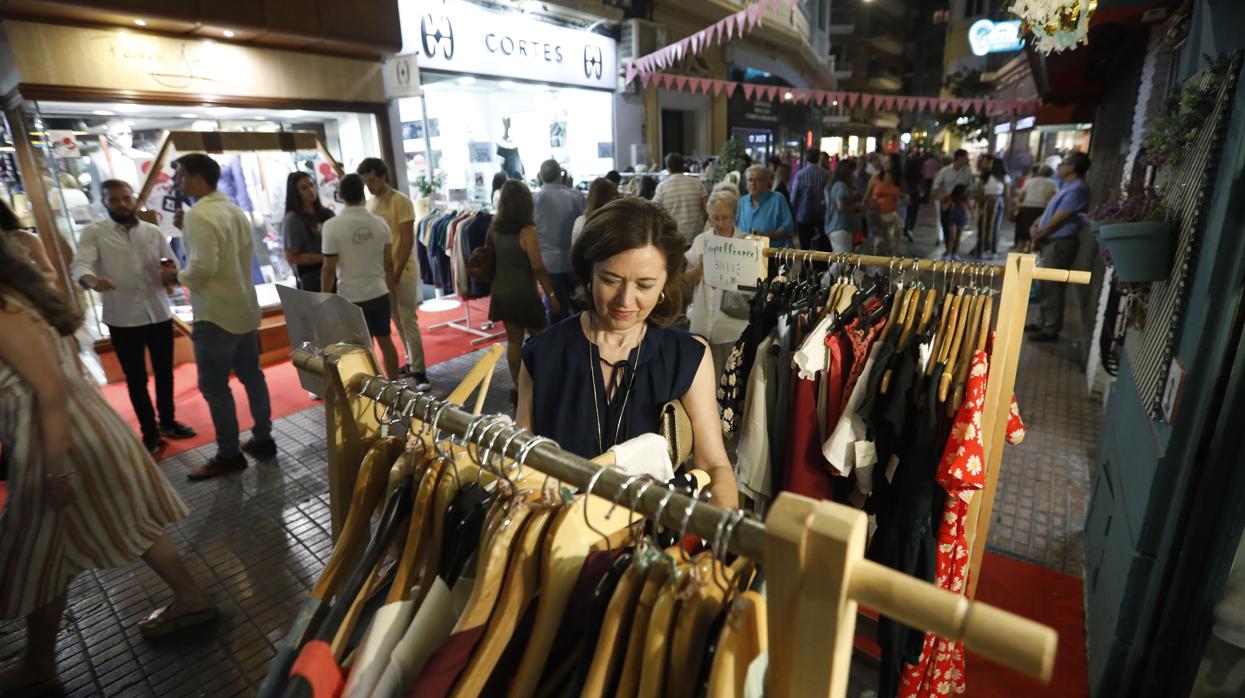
{"points": [[218, 466], [260, 449]]}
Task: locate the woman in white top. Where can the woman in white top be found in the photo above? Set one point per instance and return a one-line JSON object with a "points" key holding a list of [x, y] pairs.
{"points": [[718, 315], [995, 194], [1032, 197], [600, 192]]}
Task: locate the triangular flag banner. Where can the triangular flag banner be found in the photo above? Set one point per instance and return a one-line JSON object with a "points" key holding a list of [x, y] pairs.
{"points": [[716, 85], [748, 89], [645, 79], [819, 96], [695, 41], [775, 92], [705, 85], [741, 18], [866, 100], [680, 82], [852, 98], [730, 88], [667, 80], [630, 73]]}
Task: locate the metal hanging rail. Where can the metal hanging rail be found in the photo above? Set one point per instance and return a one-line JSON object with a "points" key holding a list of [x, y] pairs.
{"points": [[1063, 276]]}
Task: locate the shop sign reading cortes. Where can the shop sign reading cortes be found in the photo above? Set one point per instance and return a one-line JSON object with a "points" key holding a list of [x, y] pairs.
{"points": [[458, 36]]}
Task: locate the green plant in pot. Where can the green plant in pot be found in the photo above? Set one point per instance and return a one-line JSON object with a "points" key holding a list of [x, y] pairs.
{"points": [[429, 186], [1134, 230]]}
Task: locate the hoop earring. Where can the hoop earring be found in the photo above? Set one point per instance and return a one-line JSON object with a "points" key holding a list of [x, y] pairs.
{"points": [[661, 297]]}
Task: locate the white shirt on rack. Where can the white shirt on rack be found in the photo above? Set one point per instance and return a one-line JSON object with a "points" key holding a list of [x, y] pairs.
{"points": [[130, 258]]}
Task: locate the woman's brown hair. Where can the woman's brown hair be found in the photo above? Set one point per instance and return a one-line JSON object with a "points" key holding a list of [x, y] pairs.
{"points": [[624, 224], [20, 275], [601, 192], [515, 209]]}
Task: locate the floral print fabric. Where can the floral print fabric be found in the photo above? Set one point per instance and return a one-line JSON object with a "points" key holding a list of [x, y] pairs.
{"points": [[940, 670]]}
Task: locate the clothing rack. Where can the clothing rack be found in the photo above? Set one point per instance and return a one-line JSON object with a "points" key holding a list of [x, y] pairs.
{"points": [[812, 552], [463, 324], [1018, 272]]}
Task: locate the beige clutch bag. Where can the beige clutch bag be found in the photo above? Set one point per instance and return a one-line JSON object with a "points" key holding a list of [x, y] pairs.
{"points": [[676, 428]]}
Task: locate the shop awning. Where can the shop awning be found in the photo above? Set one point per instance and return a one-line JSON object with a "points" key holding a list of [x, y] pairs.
{"points": [[1067, 113]]}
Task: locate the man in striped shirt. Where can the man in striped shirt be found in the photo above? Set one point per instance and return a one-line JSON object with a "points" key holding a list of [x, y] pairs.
{"points": [[806, 198], [683, 197]]}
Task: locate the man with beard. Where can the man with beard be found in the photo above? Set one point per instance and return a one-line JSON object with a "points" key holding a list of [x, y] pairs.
{"points": [[120, 259]]}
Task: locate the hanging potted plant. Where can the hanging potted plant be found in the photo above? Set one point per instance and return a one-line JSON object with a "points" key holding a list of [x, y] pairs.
{"points": [[1134, 229]]}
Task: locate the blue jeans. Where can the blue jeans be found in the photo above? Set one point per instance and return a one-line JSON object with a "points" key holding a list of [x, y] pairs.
{"points": [[217, 352]]}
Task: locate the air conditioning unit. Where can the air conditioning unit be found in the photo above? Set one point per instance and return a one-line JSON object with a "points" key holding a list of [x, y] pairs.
{"points": [[640, 37]]}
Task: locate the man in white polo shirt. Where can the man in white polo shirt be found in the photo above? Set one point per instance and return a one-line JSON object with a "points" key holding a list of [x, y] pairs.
{"points": [[358, 262], [217, 235], [120, 259]]}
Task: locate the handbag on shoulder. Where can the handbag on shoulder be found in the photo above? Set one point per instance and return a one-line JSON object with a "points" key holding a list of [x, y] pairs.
{"points": [[482, 264]]}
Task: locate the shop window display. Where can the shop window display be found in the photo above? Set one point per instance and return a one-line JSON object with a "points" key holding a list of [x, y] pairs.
{"points": [[478, 127], [81, 145]]}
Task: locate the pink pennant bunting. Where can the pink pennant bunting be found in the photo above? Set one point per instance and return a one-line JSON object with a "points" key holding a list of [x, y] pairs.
{"points": [[748, 90], [680, 82], [705, 85], [645, 79], [630, 73], [741, 18], [667, 80], [866, 100], [819, 97], [852, 98], [775, 92], [729, 87]]}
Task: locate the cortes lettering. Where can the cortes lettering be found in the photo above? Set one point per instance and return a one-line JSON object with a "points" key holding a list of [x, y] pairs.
{"points": [[509, 46]]}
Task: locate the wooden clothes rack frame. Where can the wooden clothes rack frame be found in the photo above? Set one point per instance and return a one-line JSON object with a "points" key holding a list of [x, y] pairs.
{"points": [[812, 551], [1018, 272]]}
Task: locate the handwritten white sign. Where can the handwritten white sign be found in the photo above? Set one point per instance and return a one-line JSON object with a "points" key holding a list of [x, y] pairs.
{"points": [[732, 262]]}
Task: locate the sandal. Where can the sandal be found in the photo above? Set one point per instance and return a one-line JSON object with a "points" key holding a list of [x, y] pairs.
{"points": [[162, 621]]}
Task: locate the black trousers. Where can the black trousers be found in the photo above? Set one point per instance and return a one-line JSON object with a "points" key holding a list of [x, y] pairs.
{"points": [[808, 234], [132, 344]]}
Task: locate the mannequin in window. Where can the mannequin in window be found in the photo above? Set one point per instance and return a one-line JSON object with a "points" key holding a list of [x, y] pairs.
{"points": [[511, 163], [117, 158]]}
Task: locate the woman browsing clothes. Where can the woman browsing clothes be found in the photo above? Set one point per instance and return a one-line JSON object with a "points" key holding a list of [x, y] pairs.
{"points": [[601, 377], [83, 492]]}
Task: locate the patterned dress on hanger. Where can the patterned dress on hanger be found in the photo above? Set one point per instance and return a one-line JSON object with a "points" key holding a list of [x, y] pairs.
{"points": [[962, 471], [123, 501]]}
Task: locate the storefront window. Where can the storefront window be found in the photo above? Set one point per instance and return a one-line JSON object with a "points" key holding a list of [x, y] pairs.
{"points": [[81, 145], [478, 127]]}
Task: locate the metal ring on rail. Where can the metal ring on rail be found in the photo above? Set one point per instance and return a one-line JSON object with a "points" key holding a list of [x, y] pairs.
{"points": [[688, 512], [525, 449], [622, 490], [649, 481], [436, 443], [719, 546], [505, 447], [736, 518], [490, 453]]}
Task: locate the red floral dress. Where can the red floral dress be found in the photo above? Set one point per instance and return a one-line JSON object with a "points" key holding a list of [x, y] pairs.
{"points": [[940, 670]]}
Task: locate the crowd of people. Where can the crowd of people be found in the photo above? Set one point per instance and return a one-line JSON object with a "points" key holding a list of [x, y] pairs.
{"points": [[602, 277]]}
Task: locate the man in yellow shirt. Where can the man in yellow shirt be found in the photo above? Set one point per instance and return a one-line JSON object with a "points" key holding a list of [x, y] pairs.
{"points": [[398, 211]]}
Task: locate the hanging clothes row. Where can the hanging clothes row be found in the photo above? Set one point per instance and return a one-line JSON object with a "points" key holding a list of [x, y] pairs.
{"points": [[445, 239], [871, 391]]}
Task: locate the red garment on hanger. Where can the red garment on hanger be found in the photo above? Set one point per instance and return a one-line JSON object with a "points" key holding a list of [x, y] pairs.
{"points": [[962, 471], [807, 471], [317, 666]]}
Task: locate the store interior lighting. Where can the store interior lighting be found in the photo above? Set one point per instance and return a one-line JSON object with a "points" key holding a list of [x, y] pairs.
{"points": [[228, 33], [466, 80], [190, 116], [140, 22], [103, 112]]}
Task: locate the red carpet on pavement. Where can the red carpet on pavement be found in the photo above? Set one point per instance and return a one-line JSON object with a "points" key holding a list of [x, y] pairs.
{"points": [[445, 343], [284, 392], [1048, 597]]}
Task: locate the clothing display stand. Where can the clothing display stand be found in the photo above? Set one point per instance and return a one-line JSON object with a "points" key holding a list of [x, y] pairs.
{"points": [[463, 324], [351, 426], [812, 552], [1018, 272]]}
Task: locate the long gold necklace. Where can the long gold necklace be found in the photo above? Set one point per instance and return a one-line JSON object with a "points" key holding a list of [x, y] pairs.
{"points": [[596, 401]]}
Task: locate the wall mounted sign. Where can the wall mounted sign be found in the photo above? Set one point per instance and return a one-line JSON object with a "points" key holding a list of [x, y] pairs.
{"points": [[987, 36], [402, 76], [458, 36]]}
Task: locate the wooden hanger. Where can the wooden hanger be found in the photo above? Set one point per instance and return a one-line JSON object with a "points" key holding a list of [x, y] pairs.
{"points": [[660, 629], [491, 564], [691, 630], [611, 645], [945, 319], [418, 531], [629, 677], [521, 584], [953, 350], [368, 492], [743, 639], [572, 534]]}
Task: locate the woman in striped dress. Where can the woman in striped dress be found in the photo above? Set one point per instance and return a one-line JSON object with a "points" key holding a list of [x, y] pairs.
{"points": [[83, 493]]}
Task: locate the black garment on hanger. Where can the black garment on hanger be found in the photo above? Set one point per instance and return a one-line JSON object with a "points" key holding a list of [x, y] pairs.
{"points": [[511, 163], [909, 513]]}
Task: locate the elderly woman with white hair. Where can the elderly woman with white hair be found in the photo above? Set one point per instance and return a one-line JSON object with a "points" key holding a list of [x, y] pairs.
{"points": [[718, 315], [764, 212]]}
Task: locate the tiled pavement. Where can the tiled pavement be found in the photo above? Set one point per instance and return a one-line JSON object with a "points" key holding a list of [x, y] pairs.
{"points": [[257, 543], [259, 540]]}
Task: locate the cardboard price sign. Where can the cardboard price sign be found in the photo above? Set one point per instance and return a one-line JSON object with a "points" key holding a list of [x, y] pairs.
{"points": [[733, 262]]}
